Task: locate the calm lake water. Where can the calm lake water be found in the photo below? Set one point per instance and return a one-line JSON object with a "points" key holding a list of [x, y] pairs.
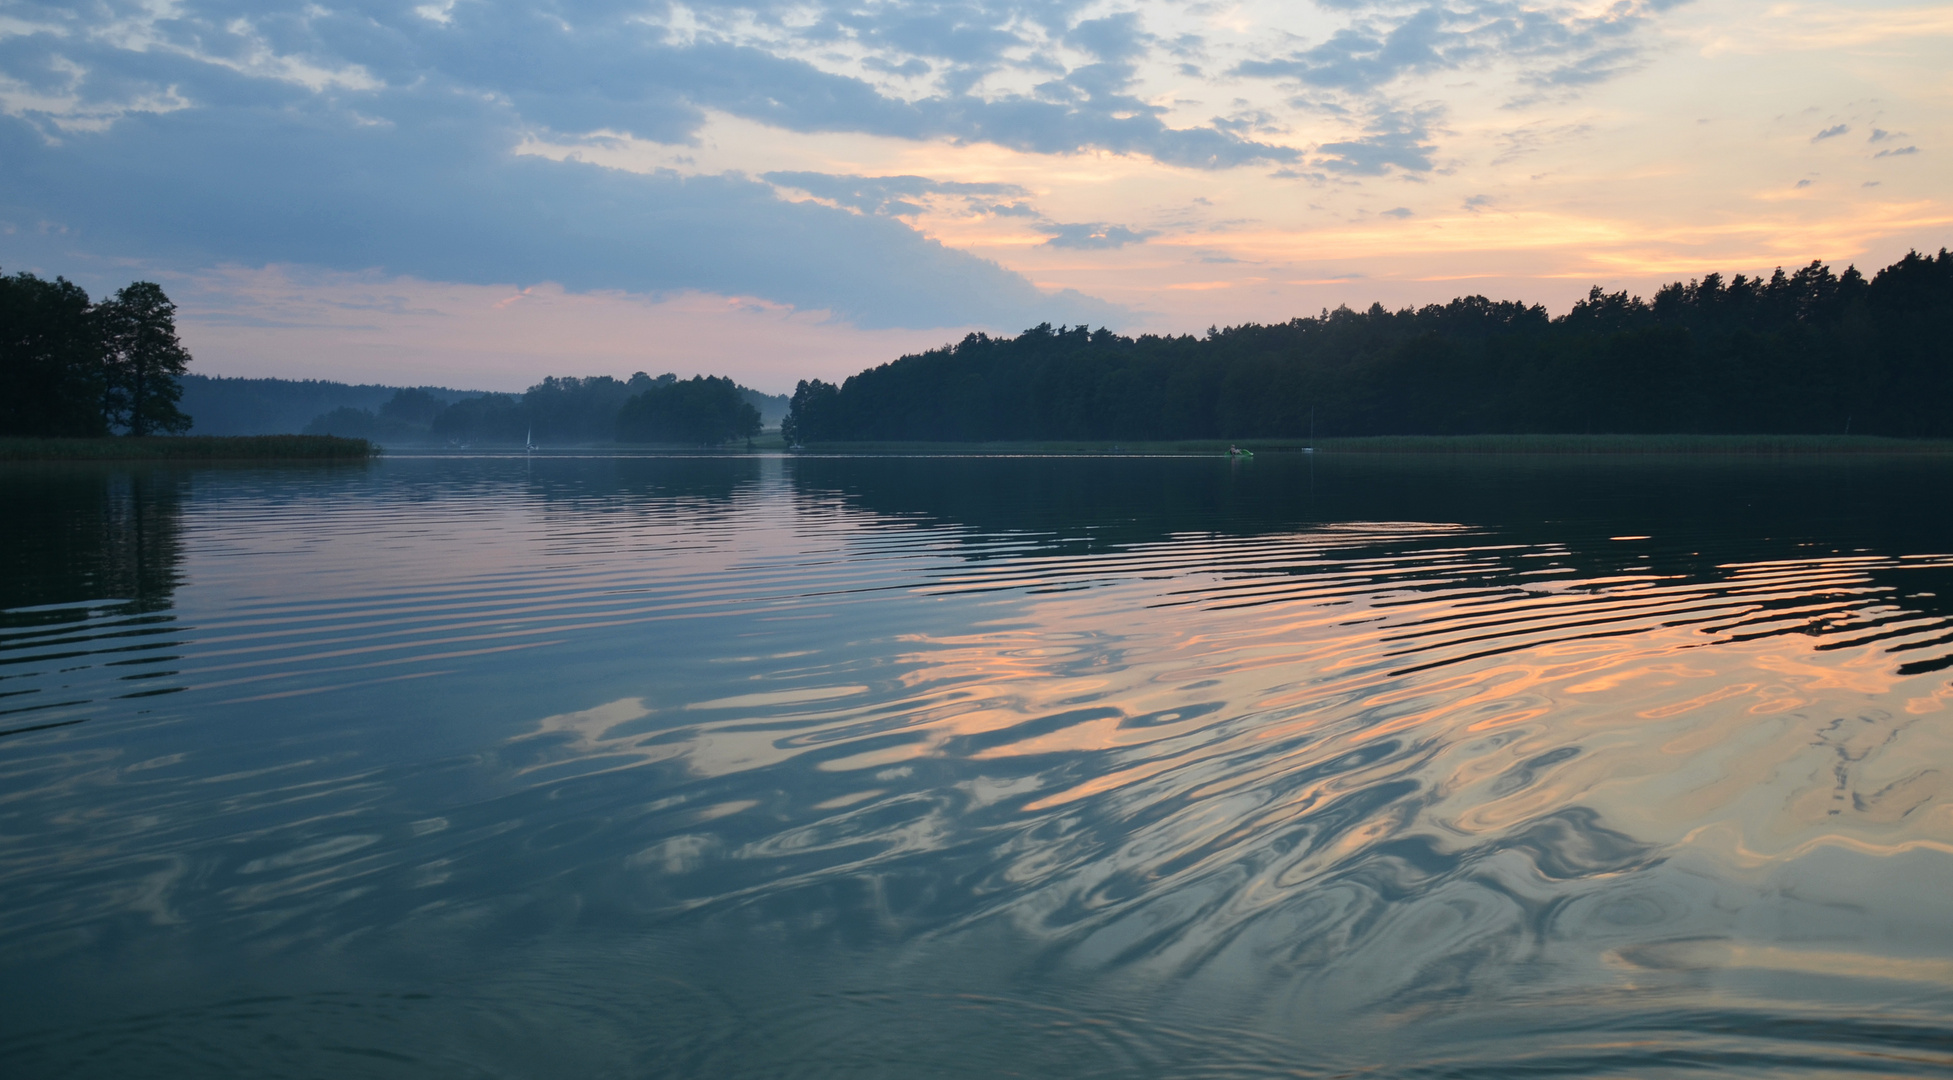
{"points": [[938, 766]]}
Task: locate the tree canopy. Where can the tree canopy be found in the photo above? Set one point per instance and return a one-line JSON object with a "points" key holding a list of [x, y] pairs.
{"points": [[702, 411], [562, 410], [1806, 352], [53, 373], [75, 369], [144, 359]]}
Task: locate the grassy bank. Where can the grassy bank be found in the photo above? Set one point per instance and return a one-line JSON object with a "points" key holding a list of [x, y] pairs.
{"points": [[190, 448], [1437, 444]]}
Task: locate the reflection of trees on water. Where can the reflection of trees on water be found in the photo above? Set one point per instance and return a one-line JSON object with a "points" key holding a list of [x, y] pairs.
{"points": [[1890, 504], [1698, 515], [705, 483], [85, 534]]}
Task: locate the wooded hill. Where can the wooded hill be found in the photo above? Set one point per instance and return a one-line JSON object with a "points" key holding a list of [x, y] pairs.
{"points": [[223, 405], [1809, 352], [699, 411], [557, 409]]}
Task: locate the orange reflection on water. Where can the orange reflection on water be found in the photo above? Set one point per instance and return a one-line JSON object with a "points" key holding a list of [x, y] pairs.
{"points": [[1224, 694]]}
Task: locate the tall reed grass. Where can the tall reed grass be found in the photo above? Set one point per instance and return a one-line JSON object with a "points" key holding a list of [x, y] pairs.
{"points": [[190, 448]]}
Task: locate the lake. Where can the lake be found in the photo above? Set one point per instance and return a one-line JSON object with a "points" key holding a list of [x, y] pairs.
{"points": [[751, 766]]}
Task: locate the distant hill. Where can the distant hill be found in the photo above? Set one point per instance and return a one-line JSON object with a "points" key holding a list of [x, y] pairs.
{"points": [[772, 407], [224, 406], [218, 405]]}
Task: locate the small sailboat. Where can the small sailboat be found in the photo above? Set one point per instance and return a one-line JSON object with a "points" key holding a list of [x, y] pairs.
{"points": [[529, 441]]}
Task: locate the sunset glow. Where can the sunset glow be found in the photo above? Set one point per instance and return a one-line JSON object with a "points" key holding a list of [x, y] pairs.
{"points": [[687, 184]]}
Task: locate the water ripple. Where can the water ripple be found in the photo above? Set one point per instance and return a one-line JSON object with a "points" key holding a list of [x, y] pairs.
{"points": [[1165, 789]]}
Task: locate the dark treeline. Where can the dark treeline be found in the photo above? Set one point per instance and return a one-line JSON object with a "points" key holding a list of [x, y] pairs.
{"points": [[74, 368], [703, 410], [224, 405], [1805, 353]]}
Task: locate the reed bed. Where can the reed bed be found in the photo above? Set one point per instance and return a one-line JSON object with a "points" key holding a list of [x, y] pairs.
{"points": [[190, 448]]}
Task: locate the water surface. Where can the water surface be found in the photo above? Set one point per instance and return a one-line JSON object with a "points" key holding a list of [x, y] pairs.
{"points": [[945, 766]]}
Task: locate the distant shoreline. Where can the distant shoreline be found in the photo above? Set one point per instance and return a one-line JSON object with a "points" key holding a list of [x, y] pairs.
{"points": [[190, 448], [1433, 444], [267, 448]]}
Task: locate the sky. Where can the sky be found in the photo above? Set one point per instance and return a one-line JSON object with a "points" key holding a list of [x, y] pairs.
{"points": [[478, 193]]}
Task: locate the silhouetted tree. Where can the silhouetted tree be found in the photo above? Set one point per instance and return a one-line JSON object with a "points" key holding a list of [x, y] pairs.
{"points": [[412, 406], [486, 418], [703, 410], [1803, 352], [811, 413], [143, 359], [51, 371]]}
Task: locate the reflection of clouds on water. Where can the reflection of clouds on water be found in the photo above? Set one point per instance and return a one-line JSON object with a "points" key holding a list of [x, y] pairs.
{"points": [[1220, 794], [784, 769]]}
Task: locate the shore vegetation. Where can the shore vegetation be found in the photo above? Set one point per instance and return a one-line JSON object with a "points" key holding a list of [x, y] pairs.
{"points": [[72, 368], [1809, 353], [188, 448]]}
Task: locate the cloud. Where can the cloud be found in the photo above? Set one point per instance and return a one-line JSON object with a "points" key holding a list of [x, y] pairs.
{"points": [[912, 68], [1400, 213], [1898, 152], [1363, 58], [1554, 45], [1094, 236], [1536, 136], [956, 31], [442, 199], [1394, 140], [608, 67], [1590, 69], [899, 196], [1114, 38], [886, 194], [1831, 133], [1802, 184]]}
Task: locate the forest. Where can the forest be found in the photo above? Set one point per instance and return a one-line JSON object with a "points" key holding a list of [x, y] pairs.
{"points": [[1810, 352], [701, 411], [230, 405], [71, 367], [75, 368]]}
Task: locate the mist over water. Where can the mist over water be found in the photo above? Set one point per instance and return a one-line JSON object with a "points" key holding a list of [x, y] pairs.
{"points": [[950, 766]]}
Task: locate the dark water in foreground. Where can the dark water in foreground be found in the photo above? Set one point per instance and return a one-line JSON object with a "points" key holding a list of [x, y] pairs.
{"points": [[978, 767]]}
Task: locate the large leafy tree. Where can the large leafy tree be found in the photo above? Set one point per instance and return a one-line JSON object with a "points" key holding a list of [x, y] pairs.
{"points": [[704, 411], [51, 376], [811, 415], [144, 359]]}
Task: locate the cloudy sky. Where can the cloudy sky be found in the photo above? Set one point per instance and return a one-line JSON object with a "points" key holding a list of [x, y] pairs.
{"points": [[479, 192]]}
